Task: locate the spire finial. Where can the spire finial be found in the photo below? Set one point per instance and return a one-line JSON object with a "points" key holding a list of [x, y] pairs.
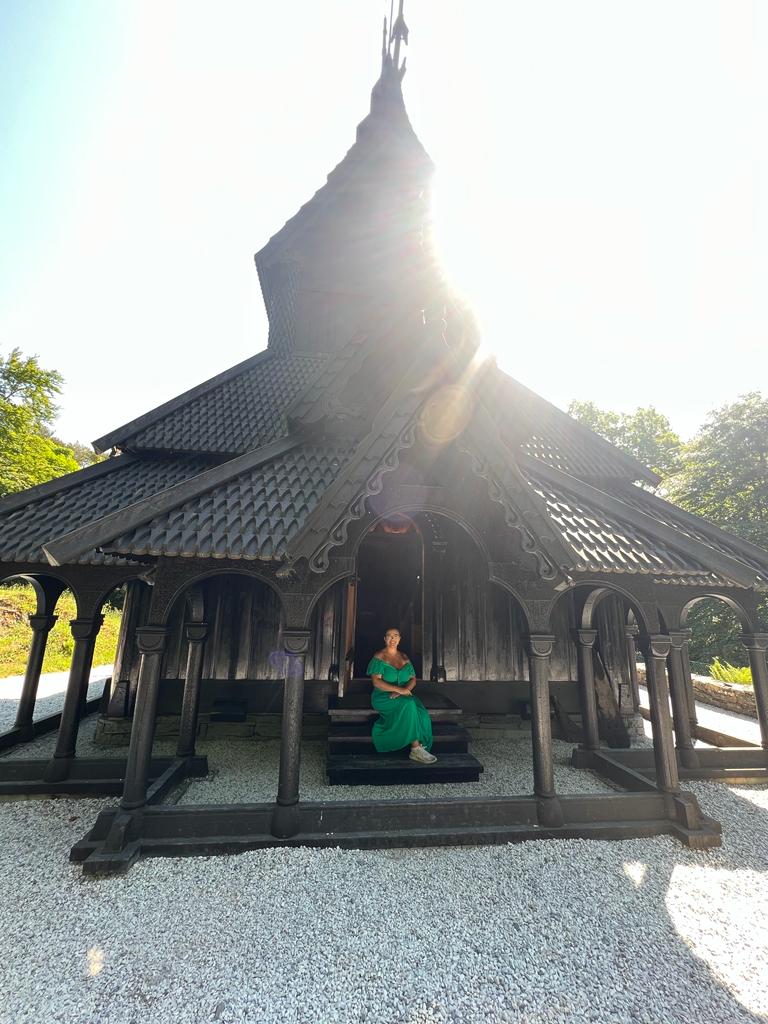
{"points": [[397, 35]]}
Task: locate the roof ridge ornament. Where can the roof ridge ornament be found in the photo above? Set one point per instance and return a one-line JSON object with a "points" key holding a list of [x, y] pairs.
{"points": [[390, 58]]}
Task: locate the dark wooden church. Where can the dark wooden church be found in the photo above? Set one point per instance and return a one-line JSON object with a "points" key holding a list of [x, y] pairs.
{"points": [[373, 468]]}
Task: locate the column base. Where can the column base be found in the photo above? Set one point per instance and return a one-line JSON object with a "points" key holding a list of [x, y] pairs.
{"points": [[688, 757], [286, 821], [57, 769], [549, 811]]}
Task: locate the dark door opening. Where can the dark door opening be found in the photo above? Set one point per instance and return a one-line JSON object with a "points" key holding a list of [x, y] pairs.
{"points": [[390, 569]]}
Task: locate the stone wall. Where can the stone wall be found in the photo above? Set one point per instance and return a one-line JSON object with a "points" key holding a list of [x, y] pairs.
{"points": [[740, 699]]}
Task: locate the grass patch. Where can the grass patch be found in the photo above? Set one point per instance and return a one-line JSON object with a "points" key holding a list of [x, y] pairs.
{"points": [[724, 672], [17, 601]]}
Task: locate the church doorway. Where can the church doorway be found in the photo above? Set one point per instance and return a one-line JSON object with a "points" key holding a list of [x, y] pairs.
{"points": [[390, 591]]}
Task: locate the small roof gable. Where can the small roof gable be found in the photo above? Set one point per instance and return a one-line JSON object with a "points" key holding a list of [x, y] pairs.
{"points": [[251, 516]]}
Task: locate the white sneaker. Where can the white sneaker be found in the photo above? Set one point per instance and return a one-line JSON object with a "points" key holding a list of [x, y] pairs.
{"points": [[421, 755]]}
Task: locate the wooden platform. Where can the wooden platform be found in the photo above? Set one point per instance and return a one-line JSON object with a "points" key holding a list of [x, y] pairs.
{"points": [[352, 760]]}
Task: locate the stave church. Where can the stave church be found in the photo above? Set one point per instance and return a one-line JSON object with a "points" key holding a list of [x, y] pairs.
{"points": [[371, 468]]}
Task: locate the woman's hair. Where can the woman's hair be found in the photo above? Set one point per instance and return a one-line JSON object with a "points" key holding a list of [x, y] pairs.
{"points": [[392, 629]]}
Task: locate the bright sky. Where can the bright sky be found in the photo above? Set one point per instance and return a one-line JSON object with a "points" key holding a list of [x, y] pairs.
{"points": [[601, 191]]}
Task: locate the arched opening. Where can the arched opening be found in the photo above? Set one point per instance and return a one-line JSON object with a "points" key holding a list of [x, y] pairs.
{"points": [[390, 591], [715, 628]]}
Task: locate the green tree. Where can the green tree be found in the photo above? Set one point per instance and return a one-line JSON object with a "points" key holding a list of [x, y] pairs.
{"points": [[724, 476], [83, 453], [645, 434], [28, 453]]}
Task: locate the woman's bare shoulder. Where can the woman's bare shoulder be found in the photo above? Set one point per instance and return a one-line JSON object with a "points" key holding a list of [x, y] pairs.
{"points": [[379, 654]]}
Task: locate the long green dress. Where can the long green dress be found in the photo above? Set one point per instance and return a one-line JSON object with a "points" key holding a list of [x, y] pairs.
{"points": [[403, 719]]}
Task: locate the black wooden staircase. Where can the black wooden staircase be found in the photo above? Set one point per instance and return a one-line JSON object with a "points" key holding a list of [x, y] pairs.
{"points": [[352, 760]]}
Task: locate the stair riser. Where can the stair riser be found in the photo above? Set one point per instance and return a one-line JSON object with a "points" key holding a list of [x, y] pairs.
{"points": [[405, 777], [448, 745]]}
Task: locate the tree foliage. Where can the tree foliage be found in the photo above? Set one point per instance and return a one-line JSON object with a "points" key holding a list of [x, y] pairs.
{"points": [[724, 476], [645, 434], [29, 455], [721, 474]]}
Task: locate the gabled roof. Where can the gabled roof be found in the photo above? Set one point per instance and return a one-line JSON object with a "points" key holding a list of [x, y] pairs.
{"points": [[235, 411], [251, 516], [31, 519], [558, 440], [608, 534]]}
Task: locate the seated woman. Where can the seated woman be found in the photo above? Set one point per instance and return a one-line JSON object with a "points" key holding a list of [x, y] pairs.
{"points": [[404, 720]]}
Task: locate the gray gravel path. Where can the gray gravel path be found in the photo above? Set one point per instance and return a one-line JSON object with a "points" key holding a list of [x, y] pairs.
{"points": [[570, 931]]}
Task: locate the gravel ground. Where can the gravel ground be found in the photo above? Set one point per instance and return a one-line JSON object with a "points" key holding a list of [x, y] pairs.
{"points": [[571, 931], [50, 693]]}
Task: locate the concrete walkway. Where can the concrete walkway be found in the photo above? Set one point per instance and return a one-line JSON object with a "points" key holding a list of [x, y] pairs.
{"points": [[50, 693], [728, 722]]}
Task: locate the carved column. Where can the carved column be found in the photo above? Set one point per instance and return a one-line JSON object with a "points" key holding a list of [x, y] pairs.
{"points": [[549, 811], [285, 819], [680, 709], [437, 672], [84, 632], [691, 696], [195, 632], [151, 642], [630, 632], [585, 641], [756, 644], [41, 627], [656, 648]]}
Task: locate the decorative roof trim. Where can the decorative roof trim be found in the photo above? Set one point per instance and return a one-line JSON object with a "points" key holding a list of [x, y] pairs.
{"points": [[68, 548], [124, 433], [62, 483], [720, 562]]}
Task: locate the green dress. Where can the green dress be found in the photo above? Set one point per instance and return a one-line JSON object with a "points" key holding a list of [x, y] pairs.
{"points": [[403, 719]]}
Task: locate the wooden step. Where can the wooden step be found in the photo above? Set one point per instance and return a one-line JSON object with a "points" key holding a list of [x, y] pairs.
{"points": [[355, 738], [393, 770], [356, 707]]}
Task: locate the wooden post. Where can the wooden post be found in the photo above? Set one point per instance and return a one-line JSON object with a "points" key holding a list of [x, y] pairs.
{"points": [[151, 642], [119, 690], [548, 808], [84, 632], [41, 627], [691, 696], [756, 644], [196, 633], [437, 671], [656, 648], [585, 641], [630, 632], [285, 818], [680, 708]]}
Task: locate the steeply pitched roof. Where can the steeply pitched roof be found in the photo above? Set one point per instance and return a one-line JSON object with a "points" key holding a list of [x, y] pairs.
{"points": [[251, 516], [80, 498], [235, 411]]}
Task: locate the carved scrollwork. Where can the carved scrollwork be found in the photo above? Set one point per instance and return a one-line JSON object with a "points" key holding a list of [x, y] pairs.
{"points": [[498, 493], [356, 507]]}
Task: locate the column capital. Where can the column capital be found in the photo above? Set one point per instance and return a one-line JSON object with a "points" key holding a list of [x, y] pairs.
{"points": [[196, 632], [42, 623], [296, 641], [584, 637], [754, 641], [86, 629], [151, 639], [540, 644], [657, 645], [630, 632], [678, 638]]}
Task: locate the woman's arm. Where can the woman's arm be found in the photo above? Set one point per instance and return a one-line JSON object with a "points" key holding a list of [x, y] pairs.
{"points": [[381, 684]]}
